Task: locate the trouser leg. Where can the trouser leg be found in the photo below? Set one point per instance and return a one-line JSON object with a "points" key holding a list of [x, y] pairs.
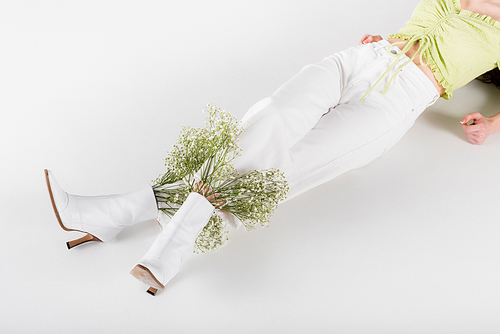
{"points": [[281, 120]]}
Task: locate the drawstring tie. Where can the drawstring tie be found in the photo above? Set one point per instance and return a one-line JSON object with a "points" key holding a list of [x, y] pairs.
{"points": [[409, 44]]}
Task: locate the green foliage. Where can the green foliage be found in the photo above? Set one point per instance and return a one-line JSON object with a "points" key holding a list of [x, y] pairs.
{"points": [[201, 161], [212, 237]]}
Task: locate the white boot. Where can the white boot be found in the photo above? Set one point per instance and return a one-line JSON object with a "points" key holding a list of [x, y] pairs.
{"points": [[101, 217], [163, 260]]}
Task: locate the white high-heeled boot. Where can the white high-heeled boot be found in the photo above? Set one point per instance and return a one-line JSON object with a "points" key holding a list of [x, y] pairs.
{"points": [[101, 217], [163, 260]]}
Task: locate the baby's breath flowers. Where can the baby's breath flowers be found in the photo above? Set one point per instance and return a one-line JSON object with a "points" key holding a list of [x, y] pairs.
{"points": [[201, 161], [212, 237]]}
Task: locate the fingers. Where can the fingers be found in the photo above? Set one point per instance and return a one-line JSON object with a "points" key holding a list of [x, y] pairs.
{"points": [[216, 200], [201, 188], [477, 138], [474, 128], [364, 39], [369, 39], [471, 117], [476, 132], [213, 197]]}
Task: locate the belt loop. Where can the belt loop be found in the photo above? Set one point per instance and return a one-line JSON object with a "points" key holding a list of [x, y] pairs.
{"points": [[434, 99], [382, 46]]}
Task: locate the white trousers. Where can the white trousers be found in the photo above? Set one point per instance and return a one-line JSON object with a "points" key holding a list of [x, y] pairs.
{"points": [[313, 128]]}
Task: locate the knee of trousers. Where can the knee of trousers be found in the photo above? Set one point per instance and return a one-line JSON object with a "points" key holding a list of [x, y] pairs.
{"points": [[263, 147], [257, 107], [268, 112]]}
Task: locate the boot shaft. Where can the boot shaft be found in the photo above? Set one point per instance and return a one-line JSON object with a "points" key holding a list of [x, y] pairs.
{"points": [[111, 211], [102, 216], [165, 256]]}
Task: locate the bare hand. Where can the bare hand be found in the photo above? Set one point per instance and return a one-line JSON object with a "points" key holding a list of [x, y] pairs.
{"points": [[370, 39], [204, 189], [479, 129]]}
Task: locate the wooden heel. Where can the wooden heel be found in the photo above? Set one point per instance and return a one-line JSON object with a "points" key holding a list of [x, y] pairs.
{"points": [[88, 237], [144, 275]]}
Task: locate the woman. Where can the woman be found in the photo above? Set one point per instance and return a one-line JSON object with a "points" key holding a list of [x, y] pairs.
{"points": [[333, 116]]}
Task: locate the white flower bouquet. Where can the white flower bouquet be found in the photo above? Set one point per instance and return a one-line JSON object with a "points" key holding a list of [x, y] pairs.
{"points": [[201, 161]]}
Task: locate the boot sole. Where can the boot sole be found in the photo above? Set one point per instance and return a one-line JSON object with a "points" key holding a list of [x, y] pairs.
{"points": [[70, 244], [144, 275]]}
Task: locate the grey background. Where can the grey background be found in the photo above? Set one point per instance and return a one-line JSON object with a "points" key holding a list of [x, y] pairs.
{"points": [[97, 92]]}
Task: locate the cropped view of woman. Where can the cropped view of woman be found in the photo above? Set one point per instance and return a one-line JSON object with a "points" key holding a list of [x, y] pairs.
{"points": [[333, 116], [363, 136]]}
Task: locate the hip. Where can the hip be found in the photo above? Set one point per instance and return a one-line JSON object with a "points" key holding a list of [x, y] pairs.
{"points": [[363, 67]]}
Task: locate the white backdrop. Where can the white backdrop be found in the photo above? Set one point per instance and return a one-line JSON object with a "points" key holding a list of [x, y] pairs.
{"points": [[97, 91]]}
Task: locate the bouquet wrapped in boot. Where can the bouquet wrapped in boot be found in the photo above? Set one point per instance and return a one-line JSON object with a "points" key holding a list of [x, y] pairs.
{"points": [[201, 162]]}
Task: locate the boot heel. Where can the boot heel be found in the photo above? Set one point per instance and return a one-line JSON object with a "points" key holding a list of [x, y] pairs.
{"points": [[88, 237], [144, 275]]}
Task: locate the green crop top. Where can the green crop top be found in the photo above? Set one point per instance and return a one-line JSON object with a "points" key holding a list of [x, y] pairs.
{"points": [[458, 45]]}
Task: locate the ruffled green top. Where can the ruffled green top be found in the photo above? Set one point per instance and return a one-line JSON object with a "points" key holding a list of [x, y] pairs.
{"points": [[458, 45]]}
